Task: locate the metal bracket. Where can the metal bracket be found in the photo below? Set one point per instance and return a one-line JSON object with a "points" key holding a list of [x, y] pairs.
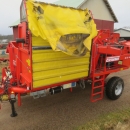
{"points": [[38, 94], [82, 83]]}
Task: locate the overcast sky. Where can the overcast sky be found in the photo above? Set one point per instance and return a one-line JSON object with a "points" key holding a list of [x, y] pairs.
{"points": [[9, 13]]}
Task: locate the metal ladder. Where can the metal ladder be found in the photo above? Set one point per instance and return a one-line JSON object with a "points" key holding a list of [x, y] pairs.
{"points": [[97, 91], [98, 78]]}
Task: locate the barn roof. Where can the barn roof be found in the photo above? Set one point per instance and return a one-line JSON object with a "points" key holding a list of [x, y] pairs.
{"points": [[79, 3], [124, 28], [111, 10], [15, 23]]}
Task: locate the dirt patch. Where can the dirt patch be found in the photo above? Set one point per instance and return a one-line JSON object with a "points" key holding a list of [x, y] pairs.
{"points": [[121, 126]]}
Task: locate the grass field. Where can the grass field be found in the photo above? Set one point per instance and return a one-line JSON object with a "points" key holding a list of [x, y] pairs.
{"points": [[119, 120]]}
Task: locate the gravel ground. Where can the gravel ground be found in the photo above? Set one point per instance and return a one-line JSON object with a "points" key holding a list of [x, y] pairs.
{"points": [[63, 111]]}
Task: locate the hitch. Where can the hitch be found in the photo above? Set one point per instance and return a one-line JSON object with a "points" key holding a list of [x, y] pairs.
{"points": [[12, 101], [5, 95]]}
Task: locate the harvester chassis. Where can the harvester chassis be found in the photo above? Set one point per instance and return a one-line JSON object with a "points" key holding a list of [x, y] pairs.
{"points": [[108, 55]]}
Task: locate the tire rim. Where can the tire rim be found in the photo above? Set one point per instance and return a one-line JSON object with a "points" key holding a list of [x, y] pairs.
{"points": [[118, 89]]}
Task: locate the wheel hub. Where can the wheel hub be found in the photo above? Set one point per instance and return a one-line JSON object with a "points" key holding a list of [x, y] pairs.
{"points": [[118, 89]]}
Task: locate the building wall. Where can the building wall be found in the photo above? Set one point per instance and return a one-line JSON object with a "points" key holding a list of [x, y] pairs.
{"points": [[99, 9], [15, 32], [104, 24], [123, 33]]}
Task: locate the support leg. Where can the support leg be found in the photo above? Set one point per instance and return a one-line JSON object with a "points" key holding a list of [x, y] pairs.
{"points": [[14, 114], [71, 89]]}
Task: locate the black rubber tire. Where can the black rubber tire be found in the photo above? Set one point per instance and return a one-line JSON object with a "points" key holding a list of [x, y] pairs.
{"points": [[111, 87]]}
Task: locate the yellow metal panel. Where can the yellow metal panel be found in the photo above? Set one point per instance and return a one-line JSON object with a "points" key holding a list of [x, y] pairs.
{"points": [[59, 72], [58, 79], [47, 55], [50, 67], [38, 41], [59, 64]]}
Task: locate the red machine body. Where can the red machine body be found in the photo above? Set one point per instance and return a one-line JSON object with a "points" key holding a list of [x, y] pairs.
{"points": [[108, 55]]}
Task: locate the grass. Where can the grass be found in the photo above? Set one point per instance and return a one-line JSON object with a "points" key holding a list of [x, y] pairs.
{"points": [[119, 120]]}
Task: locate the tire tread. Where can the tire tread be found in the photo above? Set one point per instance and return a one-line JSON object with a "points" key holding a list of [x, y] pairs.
{"points": [[110, 87]]}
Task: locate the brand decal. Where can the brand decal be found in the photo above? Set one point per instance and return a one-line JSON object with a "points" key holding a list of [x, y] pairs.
{"points": [[113, 58]]}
